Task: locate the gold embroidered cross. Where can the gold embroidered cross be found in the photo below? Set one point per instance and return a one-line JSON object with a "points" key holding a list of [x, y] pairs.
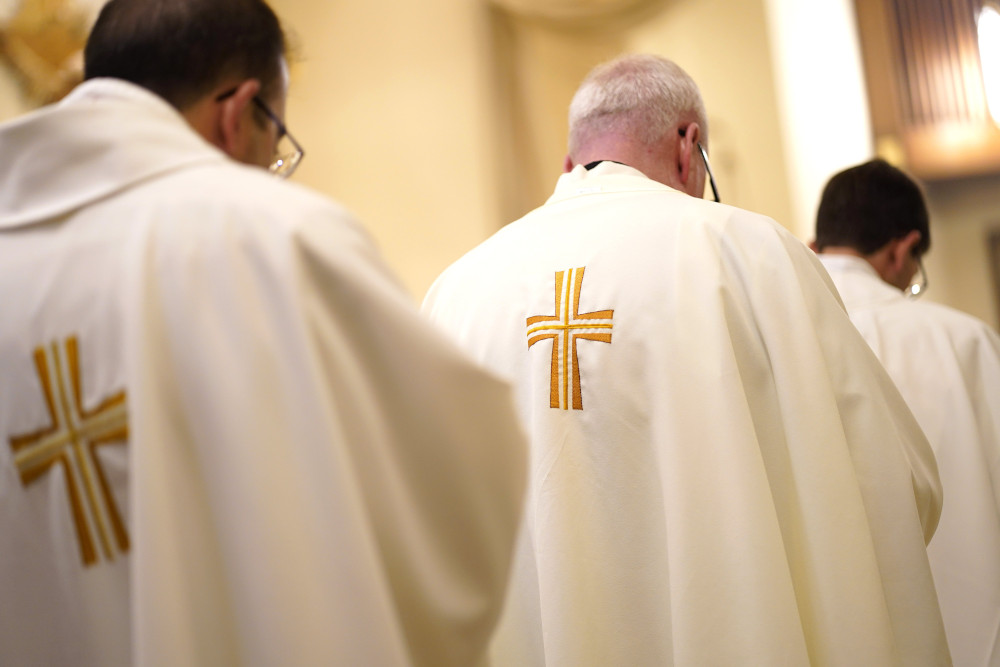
{"points": [[71, 441], [565, 328]]}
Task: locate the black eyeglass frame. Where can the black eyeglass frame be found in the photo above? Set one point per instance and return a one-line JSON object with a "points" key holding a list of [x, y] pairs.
{"points": [[278, 165], [708, 167]]}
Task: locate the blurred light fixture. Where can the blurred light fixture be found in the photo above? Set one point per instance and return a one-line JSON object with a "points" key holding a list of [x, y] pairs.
{"points": [[989, 55]]}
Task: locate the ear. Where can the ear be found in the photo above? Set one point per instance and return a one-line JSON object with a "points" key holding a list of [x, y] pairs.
{"points": [[901, 249], [911, 240], [685, 150], [233, 117], [568, 164]]}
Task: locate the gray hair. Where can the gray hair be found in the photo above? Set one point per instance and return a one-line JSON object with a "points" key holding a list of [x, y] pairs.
{"points": [[643, 96]]}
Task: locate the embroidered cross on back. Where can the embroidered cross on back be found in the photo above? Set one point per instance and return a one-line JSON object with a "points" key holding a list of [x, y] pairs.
{"points": [[565, 328], [71, 441]]}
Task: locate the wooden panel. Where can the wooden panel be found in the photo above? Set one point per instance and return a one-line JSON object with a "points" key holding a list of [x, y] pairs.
{"points": [[925, 85], [878, 36]]}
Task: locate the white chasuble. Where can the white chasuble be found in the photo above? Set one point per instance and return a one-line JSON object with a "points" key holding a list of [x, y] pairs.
{"points": [[228, 437], [947, 366], [721, 471]]}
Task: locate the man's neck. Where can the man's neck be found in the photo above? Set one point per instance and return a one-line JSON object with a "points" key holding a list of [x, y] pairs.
{"points": [[878, 260], [841, 250]]}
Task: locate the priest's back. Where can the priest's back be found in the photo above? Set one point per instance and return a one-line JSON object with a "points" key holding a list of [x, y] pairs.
{"points": [[721, 471]]}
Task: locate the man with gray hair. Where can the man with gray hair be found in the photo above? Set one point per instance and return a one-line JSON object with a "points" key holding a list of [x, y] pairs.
{"points": [[721, 471]]}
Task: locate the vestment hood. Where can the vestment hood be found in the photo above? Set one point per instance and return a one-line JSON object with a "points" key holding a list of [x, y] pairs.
{"points": [[115, 134]]}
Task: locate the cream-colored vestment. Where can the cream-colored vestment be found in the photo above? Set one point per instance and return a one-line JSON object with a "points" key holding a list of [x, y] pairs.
{"points": [[721, 471], [947, 366], [217, 402]]}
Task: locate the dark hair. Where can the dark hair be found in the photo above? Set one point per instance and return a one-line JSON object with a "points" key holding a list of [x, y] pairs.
{"points": [[867, 206], [182, 49]]}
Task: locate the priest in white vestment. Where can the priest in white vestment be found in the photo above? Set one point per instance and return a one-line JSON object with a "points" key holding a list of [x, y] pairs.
{"points": [[721, 471], [872, 229], [227, 436]]}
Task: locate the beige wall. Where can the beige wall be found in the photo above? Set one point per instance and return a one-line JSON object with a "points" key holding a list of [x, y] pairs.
{"points": [[958, 265], [825, 129], [822, 98], [544, 62], [11, 101], [437, 136], [437, 122], [391, 101], [722, 44]]}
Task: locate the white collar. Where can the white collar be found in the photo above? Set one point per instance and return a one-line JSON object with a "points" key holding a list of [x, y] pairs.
{"points": [[851, 263], [861, 273], [607, 176], [104, 137]]}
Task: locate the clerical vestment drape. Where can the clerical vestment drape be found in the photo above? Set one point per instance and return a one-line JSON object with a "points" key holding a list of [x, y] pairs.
{"points": [[947, 366], [721, 471], [226, 434]]}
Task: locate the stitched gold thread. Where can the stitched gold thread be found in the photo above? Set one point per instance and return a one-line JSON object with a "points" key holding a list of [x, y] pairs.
{"points": [[48, 449], [569, 326], [565, 395], [71, 441], [78, 454], [87, 551], [105, 424], [577, 391], [559, 290], [117, 524], [554, 373], [562, 328]]}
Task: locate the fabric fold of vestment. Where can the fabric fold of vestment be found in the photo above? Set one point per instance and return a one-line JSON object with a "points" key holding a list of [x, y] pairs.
{"points": [[306, 472], [947, 366], [721, 471]]}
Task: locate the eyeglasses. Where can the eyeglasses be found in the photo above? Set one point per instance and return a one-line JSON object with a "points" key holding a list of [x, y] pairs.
{"points": [[288, 152], [708, 167], [916, 289]]}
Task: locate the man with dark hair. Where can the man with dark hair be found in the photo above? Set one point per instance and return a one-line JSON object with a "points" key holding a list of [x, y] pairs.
{"points": [[722, 473], [181, 49], [872, 230], [875, 210], [226, 435]]}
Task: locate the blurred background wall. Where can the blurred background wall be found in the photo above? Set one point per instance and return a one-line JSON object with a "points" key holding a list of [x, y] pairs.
{"points": [[438, 122]]}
